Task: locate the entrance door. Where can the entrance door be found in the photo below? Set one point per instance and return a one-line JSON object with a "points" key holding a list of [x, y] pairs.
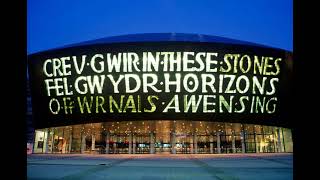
{"points": [[118, 144], [162, 143], [142, 144], [183, 142], [203, 144]]}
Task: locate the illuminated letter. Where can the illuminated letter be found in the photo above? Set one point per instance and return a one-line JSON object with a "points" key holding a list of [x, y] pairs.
{"points": [[113, 102], [83, 61], [199, 60], [241, 64], [272, 86], [185, 82], [133, 62], [136, 78], [247, 84], [174, 100], [192, 101], [66, 107], [56, 65], [114, 62], [232, 78], [165, 61], [66, 88], [173, 61], [235, 63], [76, 83], [133, 106], [258, 64], [96, 83], [256, 83], [276, 63], [47, 81], [65, 66], [100, 104], [44, 68], [243, 107], [93, 62], [153, 106], [225, 103], [168, 83], [57, 86], [261, 104], [210, 61], [274, 105], [150, 60], [186, 61], [58, 106], [206, 83], [206, 103], [266, 65], [114, 83], [226, 60], [85, 104], [154, 78]]}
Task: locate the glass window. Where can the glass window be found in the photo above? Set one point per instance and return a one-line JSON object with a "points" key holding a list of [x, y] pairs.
{"points": [[287, 136]]}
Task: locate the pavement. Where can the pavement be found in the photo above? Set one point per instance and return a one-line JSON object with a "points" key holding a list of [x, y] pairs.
{"points": [[262, 166]]}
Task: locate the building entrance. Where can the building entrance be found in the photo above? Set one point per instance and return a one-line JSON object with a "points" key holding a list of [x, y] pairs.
{"points": [[184, 144], [174, 137], [118, 144], [142, 144]]}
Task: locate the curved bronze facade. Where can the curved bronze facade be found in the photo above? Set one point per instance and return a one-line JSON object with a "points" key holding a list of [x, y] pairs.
{"points": [[178, 79]]}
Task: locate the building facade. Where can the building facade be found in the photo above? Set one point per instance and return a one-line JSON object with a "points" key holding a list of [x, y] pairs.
{"points": [[161, 93]]}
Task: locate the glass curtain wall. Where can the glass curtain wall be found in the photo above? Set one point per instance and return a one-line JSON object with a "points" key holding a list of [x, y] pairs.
{"points": [[159, 136]]}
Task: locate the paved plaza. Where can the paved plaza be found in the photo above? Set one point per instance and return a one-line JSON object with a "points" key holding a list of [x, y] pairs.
{"points": [[260, 166]]}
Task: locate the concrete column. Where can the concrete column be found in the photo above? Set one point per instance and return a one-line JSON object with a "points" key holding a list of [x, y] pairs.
{"points": [[280, 148], [233, 143], [46, 139], [173, 143], [52, 141], [256, 143], [107, 142], [83, 143], [114, 146], [134, 144], [191, 145], [70, 141], [211, 144], [243, 147], [152, 143], [218, 143], [93, 144], [274, 140], [34, 142], [130, 144], [195, 141]]}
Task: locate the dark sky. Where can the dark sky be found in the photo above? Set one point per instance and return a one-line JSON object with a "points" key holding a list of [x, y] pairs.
{"points": [[54, 23]]}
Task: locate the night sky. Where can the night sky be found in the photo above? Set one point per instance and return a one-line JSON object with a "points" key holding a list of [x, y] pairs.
{"points": [[55, 23]]}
